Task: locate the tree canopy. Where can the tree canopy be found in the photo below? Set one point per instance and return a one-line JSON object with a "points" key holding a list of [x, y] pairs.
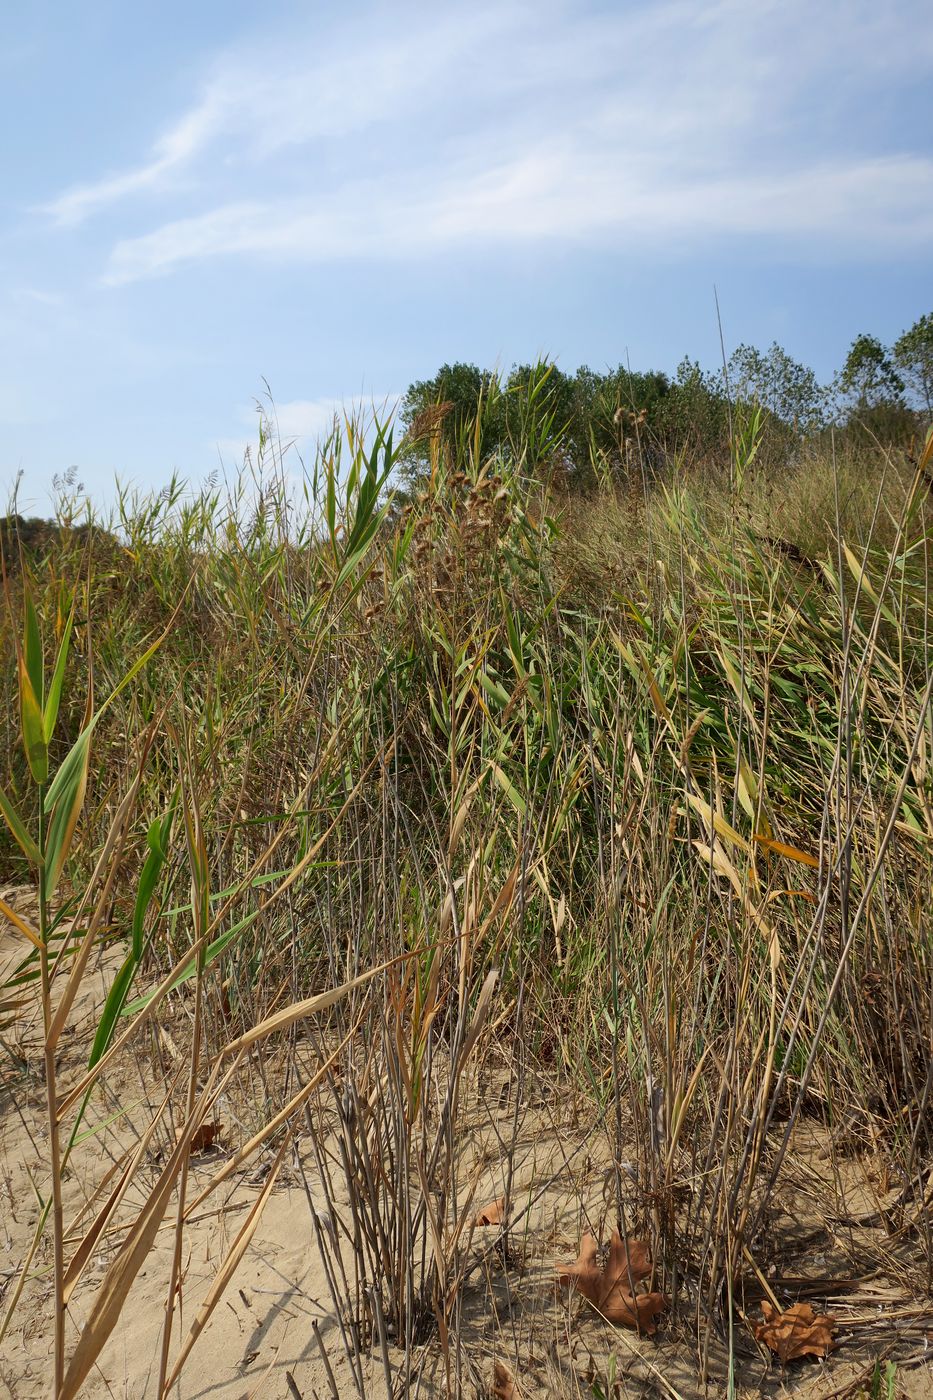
{"points": [[913, 355], [869, 376], [595, 424]]}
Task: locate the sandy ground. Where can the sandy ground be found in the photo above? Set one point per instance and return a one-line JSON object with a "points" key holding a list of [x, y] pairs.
{"points": [[266, 1336]]}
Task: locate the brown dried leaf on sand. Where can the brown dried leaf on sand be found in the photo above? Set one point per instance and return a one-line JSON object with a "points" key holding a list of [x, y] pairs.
{"points": [[504, 1385], [494, 1213], [206, 1136], [798, 1331], [611, 1287]]}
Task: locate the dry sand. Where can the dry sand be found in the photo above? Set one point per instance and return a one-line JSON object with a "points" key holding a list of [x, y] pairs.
{"points": [[261, 1340]]}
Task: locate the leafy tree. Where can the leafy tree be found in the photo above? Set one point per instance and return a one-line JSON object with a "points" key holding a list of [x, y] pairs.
{"points": [[586, 423], [443, 411], [613, 414], [694, 418], [913, 355], [786, 388], [868, 376]]}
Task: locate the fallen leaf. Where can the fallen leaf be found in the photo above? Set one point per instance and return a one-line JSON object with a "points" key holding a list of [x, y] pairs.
{"points": [[797, 1332], [206, 1136], [611, 1287], [492, 1214], [504, 1385]]}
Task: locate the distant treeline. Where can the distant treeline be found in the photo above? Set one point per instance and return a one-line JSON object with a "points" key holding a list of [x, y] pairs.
{"points": [[591, 424]]}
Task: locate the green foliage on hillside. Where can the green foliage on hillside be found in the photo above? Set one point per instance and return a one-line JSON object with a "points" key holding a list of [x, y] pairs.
{"points": [[593, 426], [652, 768]]}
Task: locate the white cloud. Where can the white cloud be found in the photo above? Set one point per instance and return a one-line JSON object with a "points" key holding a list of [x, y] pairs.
{"points": [[303, 419], [636, 126], [301, 423], [179, 145], [37, 296], [261, 103], [861, 206]]}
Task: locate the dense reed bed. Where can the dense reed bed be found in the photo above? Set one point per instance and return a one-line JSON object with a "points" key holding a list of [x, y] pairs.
{"points": [[629, 794]]}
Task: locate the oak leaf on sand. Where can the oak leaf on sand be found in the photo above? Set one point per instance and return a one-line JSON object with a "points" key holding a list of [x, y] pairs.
{"points": [[504, 1385], [798, 1331], [204, 1137], [612, 1287], [492, 1214]]}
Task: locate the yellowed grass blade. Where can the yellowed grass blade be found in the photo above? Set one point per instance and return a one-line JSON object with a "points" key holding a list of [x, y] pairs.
{"points": [[18, 922], [457, 825], [281, 1020], [721, 863], [717, 858], [503, 901], [483, 1002], [248, 1148], [85, 1249], [229, 1267], [718, 823], [791, 852], [111, 1297]]}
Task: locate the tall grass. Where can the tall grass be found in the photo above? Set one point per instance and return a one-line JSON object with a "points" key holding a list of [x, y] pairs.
{"points": [[639, 786]]}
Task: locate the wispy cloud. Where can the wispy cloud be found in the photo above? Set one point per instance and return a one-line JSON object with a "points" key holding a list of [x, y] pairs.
{"points": [[36, 296], [303, 419], [302, 423], [187, 139], [867, 204], [256, 105], [635, 126]]}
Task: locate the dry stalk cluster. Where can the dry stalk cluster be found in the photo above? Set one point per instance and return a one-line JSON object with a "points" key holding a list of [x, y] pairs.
{"points": [[371, 793]]}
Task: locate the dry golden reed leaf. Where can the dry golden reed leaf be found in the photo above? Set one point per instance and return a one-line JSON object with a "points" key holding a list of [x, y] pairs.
{"points": [[20, 923], [110, 1298], [229, 1267], [779, 848]]}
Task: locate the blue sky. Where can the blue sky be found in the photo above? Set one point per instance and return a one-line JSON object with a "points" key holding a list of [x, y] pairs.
{"points": [[337, 199]]}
